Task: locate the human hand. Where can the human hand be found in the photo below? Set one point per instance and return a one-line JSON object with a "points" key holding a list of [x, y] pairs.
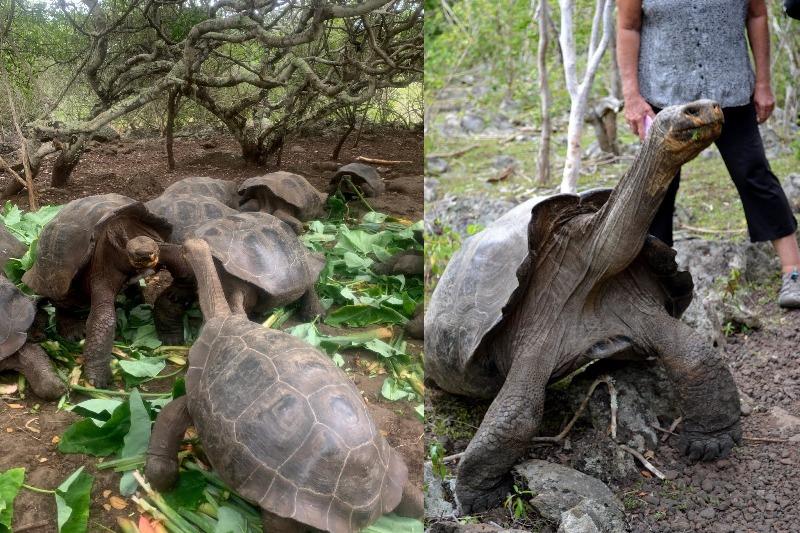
{"points": [[636, 109], [764, 101]]}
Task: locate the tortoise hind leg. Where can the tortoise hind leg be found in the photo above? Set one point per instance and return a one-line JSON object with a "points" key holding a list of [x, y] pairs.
{"points": [[278, 524], [161, 468], [293, 222], [33, 363], [412, 504], [484, 474]]}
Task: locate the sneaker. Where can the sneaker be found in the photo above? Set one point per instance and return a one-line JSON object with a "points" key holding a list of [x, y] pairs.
{"points": [[790, 290]]}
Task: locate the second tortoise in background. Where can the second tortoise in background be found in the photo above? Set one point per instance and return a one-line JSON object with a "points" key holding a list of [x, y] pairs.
{"points": [[559, 281]]}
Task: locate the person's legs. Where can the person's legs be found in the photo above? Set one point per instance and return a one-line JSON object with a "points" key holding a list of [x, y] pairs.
{"points": [[769, 215]]}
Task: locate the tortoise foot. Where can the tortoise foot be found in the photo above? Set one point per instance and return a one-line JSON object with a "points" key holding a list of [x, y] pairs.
{"points": [[700, 446], [69, 327], [475, 500], [161, 472], [98, 377]]}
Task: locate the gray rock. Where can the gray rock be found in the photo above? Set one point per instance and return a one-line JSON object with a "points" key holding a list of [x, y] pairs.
{"points": [[431, 189], [455, 527], [504, 161], [436, 165], [436, 504], [472, 123], [784, 422], [791, 186], [459, 212], [560, 490], [577, 521]]}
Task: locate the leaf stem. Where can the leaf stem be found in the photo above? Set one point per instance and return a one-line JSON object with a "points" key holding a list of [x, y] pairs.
{"points": [[37, 489]]}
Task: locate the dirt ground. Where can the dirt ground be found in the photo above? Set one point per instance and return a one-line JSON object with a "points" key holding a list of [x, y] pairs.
{"points": [[29, 427]]}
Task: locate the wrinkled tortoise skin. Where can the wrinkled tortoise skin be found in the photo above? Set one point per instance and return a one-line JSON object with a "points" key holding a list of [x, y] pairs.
{"points": [[17, 313], [287, 429], [293, 189], [67, 242]]}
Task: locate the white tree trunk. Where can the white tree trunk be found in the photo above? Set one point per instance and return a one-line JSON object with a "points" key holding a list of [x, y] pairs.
{"points": [[543, 164], [579, 92]]}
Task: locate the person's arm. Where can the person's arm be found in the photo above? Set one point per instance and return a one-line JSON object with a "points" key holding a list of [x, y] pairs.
{"points": [[629, 18], [758, 35]]}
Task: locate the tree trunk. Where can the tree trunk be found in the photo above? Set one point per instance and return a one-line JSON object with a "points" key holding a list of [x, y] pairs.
{"points": [[543, 164], [579, 92], [615, 80], [66, 162], [172, 105], [350, 127]]}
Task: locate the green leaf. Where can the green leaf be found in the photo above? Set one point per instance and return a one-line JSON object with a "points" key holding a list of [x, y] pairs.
{"points": [[188, 492], [72, 502], [393, 390], [146, 367], [97, 409], [86, 437], [10, 482], [420, 410], [392, 523], [364, 315], [146, 337], [357, 261], [136, 440], [230, 520]]}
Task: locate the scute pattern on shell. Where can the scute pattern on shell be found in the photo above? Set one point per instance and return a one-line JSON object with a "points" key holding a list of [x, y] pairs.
{"points": [[9, 247], [221, 190], [360, 173], [291, 188], [16, 316], [187, 212], [67, 242], [263, 251], [482, 279], [287, 429]]}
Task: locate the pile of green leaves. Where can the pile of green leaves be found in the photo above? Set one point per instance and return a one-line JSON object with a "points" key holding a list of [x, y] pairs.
{"points": [[25, 226], [361, 296]]}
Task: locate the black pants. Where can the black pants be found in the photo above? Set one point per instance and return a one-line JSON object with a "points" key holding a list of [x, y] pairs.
{"points": [[766, 208]]}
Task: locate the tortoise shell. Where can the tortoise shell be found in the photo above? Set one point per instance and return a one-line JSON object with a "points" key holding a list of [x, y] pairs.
{"points": [[291, 188], [221, 190], [67, 242], [482, 281], [287, 429], [10, 247], [363, 176], [263, 251], [187, 212], [16, 316]]}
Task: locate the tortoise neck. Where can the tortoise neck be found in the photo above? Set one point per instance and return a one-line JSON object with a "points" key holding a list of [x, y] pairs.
{"points": [[212, 298]]}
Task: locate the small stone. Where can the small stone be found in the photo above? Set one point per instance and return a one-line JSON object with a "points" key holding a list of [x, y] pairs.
{"points": [[707, 485], [708, 513], [671, 474], [746, 409]]}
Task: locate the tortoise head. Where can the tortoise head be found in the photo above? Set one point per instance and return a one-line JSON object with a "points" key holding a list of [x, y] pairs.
{"points": [[142, 252], [683, 131]]}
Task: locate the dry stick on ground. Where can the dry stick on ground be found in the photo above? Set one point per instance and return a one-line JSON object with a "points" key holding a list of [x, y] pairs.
{"points": [[11, 172], [456, 153], [381, 161], [34, 525], [711, 231], [671, 433], [672, 428], [612, 391], [656, 472]]}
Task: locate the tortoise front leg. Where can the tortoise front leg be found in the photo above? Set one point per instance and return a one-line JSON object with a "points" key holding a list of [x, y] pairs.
{"points": [[161, 468], [708, 395], [412, 503], [287, 217], [100, 328], [169, 308], [33, 363], [484, 477]]}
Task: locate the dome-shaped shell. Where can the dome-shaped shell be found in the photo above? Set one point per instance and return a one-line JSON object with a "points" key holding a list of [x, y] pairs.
{"points": [[67, 242], [187, 212], [9, 247], [221, 190], [16, 316], [363, 176], [480, 285], [263, 251], [293, 189], [287, 429]]}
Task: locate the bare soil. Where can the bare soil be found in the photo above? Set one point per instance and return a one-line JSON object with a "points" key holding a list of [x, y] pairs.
{"points": [[29, 427]]}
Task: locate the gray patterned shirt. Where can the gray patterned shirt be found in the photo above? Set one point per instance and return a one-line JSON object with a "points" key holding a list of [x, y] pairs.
{"points": [[693, 49]]}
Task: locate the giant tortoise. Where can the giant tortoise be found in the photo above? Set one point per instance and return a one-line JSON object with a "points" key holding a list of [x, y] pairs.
{"points": [[559, 281], [86, 255], [280, 424], [290, 197], [262, 265], [17, 314], [221, 190], [363, 177]]}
